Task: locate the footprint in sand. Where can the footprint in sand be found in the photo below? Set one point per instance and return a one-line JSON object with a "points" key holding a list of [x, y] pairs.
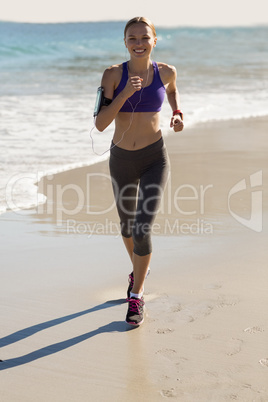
{"points": [[201, 337], [224, 302], [264, 362], [177, 308], [234, 346], [232, 397], [253, 330], [168, 393], [164, 330], [180, 361], [168, 353]]}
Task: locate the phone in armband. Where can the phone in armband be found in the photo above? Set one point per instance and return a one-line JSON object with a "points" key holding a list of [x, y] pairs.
{"points": [[100, 101]]}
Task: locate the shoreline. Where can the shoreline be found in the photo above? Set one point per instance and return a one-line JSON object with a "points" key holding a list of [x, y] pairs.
{"points": [[206, 163], [167, 136], [205, 332]]}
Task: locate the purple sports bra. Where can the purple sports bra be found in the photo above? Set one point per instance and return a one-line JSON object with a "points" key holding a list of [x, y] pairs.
{"points": [[152, 96]]}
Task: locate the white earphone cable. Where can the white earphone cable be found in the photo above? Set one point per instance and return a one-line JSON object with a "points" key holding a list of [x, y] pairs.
{"points": [[130, 122]]}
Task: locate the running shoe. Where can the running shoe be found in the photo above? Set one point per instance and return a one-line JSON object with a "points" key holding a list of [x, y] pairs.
{"points": [[135, 311]]}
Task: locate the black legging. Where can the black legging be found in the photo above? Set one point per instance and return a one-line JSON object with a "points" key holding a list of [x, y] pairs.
{"points": [[146, 169]]}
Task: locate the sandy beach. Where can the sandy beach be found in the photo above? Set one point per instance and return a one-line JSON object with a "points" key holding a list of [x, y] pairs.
{"points": [[64, 275]]}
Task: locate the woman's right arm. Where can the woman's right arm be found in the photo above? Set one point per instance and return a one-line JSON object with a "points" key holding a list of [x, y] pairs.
{"points": [[108, 113]]}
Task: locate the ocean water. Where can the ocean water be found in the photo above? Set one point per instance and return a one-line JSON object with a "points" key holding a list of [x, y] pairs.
{"points": [[49, 74]]}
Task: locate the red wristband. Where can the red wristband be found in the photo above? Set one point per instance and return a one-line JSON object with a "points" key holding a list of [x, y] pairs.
{"points": [[178, 112]]}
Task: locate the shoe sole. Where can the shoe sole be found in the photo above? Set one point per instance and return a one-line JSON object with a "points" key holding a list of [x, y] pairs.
{"points": [[133, 324]]}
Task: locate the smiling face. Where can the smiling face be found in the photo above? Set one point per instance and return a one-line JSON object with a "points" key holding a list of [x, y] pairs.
{"points": [[140, 40]]}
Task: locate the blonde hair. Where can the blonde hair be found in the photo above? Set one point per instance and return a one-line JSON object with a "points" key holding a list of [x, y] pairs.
{"points": [[136, 20]]}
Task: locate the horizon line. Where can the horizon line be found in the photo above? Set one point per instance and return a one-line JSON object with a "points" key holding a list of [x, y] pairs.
{"points": [[253, 25]]}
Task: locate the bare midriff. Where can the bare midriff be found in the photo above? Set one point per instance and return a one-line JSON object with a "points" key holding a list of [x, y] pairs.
{"points": [[144, 130]]}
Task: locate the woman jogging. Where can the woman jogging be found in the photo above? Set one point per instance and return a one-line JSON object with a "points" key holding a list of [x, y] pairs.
{"points": [[133, 95]]}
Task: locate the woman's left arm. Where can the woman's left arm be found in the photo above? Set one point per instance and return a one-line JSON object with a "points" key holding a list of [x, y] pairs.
{"points": [[173, 99]]}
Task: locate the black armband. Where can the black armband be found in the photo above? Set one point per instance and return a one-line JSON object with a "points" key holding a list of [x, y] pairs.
{"points": [[106, 101]]}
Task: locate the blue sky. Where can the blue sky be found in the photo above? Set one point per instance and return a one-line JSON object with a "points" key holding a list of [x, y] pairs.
{"points": [[172, 12]]}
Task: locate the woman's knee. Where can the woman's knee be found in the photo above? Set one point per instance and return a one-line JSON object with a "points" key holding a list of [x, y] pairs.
{"points": [[142, 241]]}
